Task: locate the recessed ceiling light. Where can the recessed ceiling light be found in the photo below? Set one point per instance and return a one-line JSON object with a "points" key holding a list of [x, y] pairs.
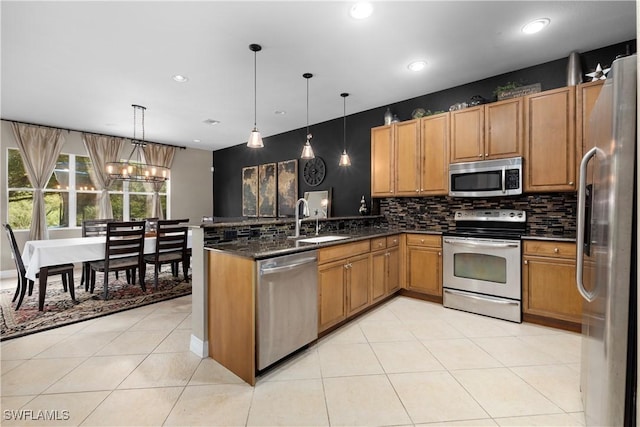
{"points": [[361, 10], [535, 26], [417, 65], [180, 78], [196, 140], [211, 122], [280, 112]]}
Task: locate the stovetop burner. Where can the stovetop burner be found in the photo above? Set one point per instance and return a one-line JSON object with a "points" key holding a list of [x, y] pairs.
{"points": [[489, 223]]}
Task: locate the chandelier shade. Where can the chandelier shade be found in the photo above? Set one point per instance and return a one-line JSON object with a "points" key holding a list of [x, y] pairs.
{"points": [[135, 168]]}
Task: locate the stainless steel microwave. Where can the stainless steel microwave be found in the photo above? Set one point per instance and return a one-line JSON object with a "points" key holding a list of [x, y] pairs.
{"points": [[486, 178]]}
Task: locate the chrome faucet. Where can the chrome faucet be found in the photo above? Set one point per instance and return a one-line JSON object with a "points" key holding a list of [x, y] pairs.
{"points": [[298, 220], [318, 226]]}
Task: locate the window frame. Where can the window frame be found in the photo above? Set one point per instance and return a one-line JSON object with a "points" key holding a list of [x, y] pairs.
{"points": [[73, 192]]}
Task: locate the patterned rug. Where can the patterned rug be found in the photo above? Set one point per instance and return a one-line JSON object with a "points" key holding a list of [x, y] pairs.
{"points": [[59, 310]]}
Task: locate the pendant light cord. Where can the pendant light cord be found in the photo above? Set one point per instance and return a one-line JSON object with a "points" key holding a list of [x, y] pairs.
{"points": [[255, 88], [307, 108], [344, 121]]}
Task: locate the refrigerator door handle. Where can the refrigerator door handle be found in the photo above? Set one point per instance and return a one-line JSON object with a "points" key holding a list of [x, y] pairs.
{"points": [[580, 226]]}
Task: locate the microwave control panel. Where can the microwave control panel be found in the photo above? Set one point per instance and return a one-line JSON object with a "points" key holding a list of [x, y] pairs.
{"points": [[512, 179]]}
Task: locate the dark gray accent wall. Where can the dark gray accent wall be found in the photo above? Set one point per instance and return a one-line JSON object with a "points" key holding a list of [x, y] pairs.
{"points": [[349, 184]]}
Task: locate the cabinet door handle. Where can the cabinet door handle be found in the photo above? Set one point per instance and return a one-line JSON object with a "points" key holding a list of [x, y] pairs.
{"points": [[439, 253], [556, 250], [480, 155], [421, 240], [526, 262], [486, 154]]}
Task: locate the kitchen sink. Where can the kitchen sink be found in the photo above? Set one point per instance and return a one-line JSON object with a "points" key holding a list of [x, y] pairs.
{"points": [[322, 239]]}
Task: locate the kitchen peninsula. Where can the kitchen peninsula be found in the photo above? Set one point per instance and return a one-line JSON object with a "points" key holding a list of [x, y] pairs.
{"points": [[360, 262]]}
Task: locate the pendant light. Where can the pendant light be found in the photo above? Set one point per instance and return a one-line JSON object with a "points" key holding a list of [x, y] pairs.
{"points": [[255, 140], [344, 158], [307, 151]]}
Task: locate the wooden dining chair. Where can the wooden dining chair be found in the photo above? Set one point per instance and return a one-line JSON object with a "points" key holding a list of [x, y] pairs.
{"points": [[124, 250], [66, 270], [171, 248], [92, 228]]}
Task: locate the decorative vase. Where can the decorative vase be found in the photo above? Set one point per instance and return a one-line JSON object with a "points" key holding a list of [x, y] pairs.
{"points": [[363, 207], [574, 69], [388, 117]]}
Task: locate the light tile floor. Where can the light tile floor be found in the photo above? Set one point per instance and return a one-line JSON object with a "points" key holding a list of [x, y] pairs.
{"points": [[407, 362]]}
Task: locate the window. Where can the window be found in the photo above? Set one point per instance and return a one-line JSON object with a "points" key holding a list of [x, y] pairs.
{"points": [[70, 196]]}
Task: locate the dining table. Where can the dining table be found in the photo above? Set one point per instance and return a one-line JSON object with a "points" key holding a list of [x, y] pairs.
{"points": [[40, 254]]}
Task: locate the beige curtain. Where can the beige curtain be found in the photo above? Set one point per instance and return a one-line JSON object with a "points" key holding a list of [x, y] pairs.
{"points": [[102, 150], [39, 148], [158, 155]]}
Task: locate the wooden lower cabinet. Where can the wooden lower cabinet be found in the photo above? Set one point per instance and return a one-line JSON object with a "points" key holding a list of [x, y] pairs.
{"points": [[378, 275], [424, 264], [357, 283], [385, 269], [331, 295], [548, 281], [343, 282]]}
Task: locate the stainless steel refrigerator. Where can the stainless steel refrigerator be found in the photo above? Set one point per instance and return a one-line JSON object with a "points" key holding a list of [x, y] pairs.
{"points": [[606, 255]]}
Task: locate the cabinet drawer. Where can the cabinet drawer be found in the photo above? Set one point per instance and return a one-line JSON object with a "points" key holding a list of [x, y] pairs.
{"points": [[392, 241], [565, 250], [424, 240], [378, 243], [343, 251]]}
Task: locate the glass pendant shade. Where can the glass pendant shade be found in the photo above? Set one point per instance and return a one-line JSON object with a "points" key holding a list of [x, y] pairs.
{"points": [[255, 140], [307, 151], [344, 159]]}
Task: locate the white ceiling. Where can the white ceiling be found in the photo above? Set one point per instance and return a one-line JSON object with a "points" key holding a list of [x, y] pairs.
{"points": [[81, 64]]}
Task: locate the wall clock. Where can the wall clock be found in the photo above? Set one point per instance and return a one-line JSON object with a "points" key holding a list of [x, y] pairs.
{"points": [[314, 171]]}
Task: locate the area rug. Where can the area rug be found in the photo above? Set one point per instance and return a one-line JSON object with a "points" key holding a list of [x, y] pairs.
{"points": [[59, 310]]}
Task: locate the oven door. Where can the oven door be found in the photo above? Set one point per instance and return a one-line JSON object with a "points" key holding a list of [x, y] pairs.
{"points": [[485, 266]]}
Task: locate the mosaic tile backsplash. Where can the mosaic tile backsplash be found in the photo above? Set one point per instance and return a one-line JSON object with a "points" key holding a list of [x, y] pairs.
{"points": [[548, 214]]}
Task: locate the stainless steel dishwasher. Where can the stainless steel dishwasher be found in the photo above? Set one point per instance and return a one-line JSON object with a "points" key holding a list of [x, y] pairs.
{"points": [[287, 316]]}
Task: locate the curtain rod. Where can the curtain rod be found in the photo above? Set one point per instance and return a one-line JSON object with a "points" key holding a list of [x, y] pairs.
{"points": [[93, 133]]}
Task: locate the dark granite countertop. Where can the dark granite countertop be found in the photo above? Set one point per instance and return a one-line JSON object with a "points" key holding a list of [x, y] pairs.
{"points": [[259, 249]]}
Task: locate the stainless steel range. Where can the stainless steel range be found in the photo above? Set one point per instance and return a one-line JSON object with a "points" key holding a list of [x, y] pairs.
{"points": [[482, 263]]}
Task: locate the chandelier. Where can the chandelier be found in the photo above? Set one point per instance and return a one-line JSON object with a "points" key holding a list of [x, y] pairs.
{"points": [[135, 168]]}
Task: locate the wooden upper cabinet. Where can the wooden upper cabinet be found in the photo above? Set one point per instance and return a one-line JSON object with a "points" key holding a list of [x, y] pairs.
{"points": [[407, 155], [550, 142], [490, 131], [467, 134], [586, 96], [382, 161], [434, 157], [503, 129]]}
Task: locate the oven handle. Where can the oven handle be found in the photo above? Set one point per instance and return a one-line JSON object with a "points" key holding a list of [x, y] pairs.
{"points": [[481, 244], [580, 226], [481, 298], [504, 175]]}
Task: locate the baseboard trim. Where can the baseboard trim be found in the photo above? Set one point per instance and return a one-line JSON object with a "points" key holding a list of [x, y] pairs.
{"points": [[199, 347]]}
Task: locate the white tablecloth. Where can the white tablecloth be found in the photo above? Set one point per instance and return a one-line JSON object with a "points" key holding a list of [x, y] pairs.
{"points": [[43, 253]]}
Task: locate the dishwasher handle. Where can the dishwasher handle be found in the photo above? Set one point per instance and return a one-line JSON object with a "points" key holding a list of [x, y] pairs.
{"points": [[288, 267]]}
